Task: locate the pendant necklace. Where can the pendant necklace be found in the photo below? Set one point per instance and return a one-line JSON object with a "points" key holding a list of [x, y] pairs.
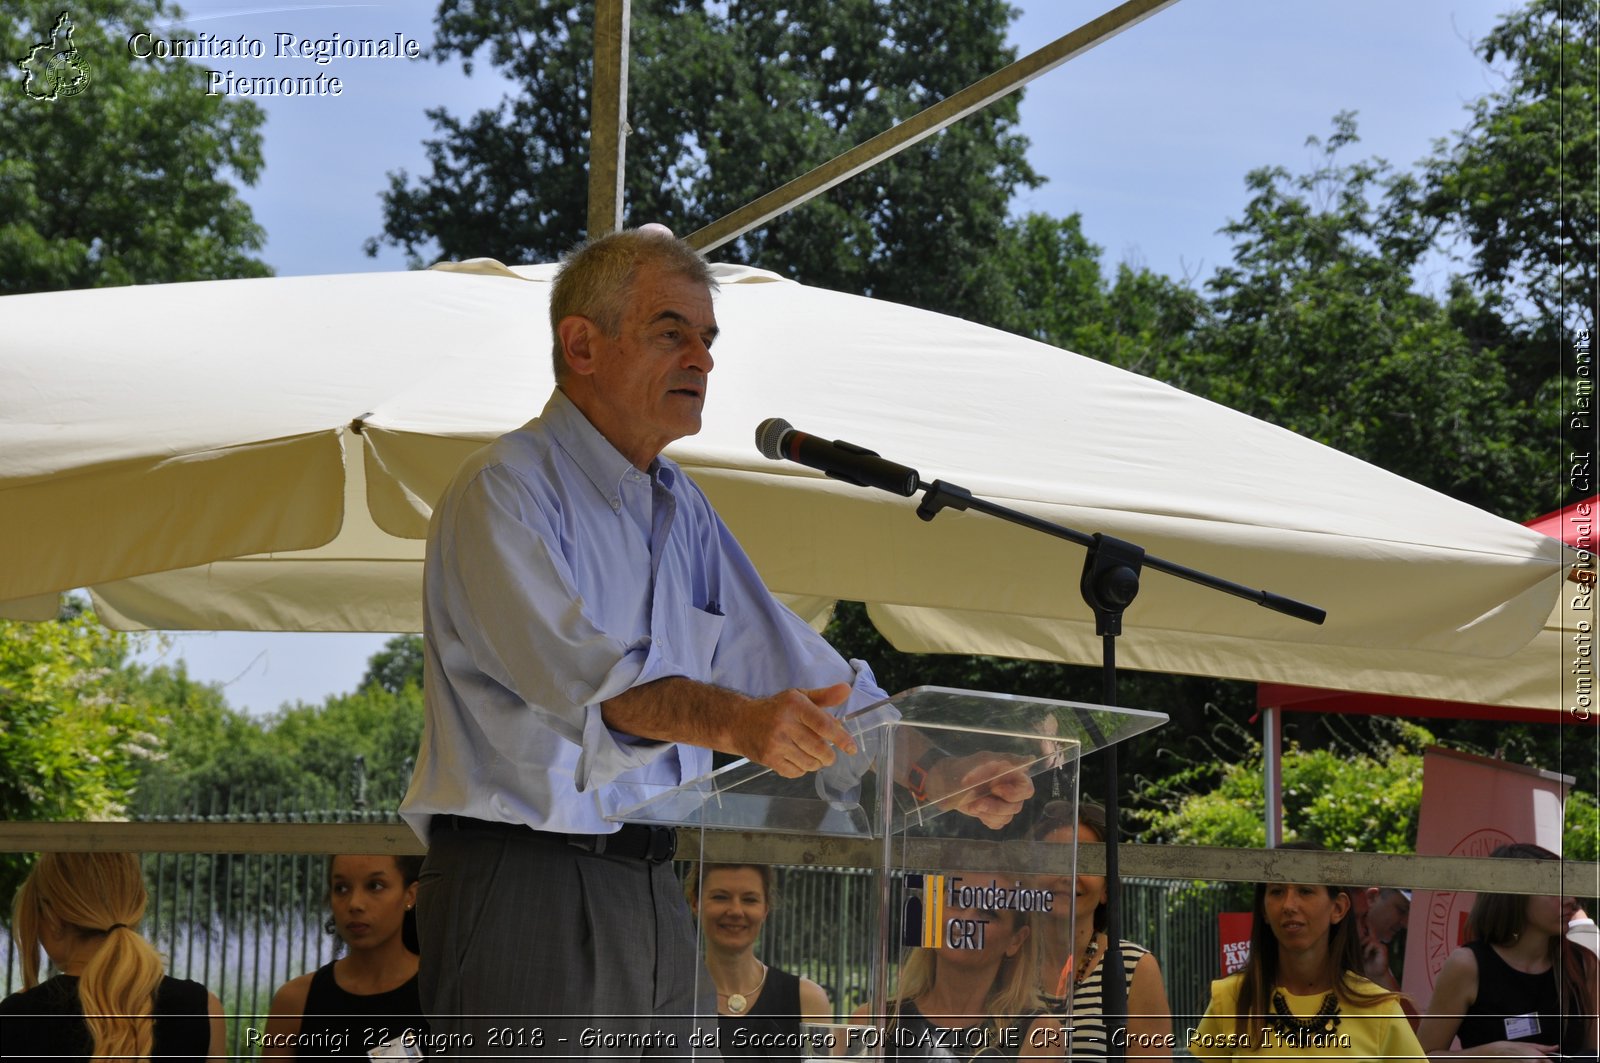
{"points": [[737, 1002]]}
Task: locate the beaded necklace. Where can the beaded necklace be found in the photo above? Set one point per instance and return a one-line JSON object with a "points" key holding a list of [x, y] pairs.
{"points": [[1291, 1027]]}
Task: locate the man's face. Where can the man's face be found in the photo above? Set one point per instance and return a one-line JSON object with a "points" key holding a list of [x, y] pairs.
{"points": [[1388, 914], [648, 384]]}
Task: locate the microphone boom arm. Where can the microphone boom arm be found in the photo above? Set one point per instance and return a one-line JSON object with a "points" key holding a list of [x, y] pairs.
{"points": [[939, 496], [1109, 583]]}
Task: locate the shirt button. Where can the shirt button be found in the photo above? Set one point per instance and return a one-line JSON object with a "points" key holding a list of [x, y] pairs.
{"points": [[616, 503]]}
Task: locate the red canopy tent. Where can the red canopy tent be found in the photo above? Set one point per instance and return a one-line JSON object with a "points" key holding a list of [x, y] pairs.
{"points": [[1572, 524], [1309, 699]]}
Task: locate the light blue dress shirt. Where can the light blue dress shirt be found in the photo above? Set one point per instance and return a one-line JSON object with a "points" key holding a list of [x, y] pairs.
{"points": [[557, 577]]}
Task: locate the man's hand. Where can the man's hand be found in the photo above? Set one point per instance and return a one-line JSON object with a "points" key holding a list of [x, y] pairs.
{"points": [[792, 732], [989, 787]]}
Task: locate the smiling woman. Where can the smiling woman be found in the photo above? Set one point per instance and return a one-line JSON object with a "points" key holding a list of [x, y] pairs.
{"points": [[761, 1007], [1074, 952]]}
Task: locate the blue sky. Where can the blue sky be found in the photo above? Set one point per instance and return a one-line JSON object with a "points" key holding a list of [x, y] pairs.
{"points": [[1148, 136]]}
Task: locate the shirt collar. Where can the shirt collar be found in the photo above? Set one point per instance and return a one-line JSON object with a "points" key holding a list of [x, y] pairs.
{"points": [[601, 462]]}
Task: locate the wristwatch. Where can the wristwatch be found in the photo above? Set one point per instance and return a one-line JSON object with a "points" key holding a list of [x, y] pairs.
{"points": [[917, 775]]}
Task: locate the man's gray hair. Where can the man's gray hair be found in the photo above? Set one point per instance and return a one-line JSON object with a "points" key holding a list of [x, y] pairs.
{"points": [[596, 277]]}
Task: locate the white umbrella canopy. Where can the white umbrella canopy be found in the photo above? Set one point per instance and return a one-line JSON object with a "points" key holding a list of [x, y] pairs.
{"points": [[263, 454]]}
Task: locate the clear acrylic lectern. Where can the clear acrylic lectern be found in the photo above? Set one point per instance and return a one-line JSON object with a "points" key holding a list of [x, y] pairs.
{"points": [[944, 882]]}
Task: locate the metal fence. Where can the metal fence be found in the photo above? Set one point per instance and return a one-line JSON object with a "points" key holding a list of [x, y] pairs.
{"points": [[1175, 920], [243, 924]]}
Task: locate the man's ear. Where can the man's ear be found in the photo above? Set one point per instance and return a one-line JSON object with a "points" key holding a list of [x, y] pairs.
{"points": [[577, 335]]}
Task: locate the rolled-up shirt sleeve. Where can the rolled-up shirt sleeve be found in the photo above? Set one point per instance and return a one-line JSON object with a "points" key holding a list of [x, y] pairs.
{"points": [[766, 647], [518, 613]]}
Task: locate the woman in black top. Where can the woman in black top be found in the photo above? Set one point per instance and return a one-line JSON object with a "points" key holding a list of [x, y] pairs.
{"points": [[347, 1008], [1516, 991], [760, 1007], [112, 997]]}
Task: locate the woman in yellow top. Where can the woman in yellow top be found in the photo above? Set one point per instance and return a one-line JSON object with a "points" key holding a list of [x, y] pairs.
{"points": [[1301, 993]]}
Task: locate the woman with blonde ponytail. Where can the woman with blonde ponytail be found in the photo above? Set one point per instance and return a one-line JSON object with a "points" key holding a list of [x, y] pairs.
{"points": [[111, 999]]}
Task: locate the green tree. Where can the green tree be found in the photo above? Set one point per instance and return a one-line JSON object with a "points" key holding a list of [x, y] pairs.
{"points": [[1148, 325], [1056, 287], [1057, 293], [346, 756], [1582, 827], [219, 759], [71, 745], [72, 742], [381, 727], [754, 94], [395, 666], [1520, 182], [302, 759], [1360, 798], [1316, 326], [1361, 793], [130, 180]]}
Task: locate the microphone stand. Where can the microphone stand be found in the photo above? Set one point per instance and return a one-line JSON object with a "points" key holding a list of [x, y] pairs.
{"points": [[1109, 583]]}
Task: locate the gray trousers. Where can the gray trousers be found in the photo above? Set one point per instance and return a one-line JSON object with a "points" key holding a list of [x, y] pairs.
{"points": [[534, 949]]}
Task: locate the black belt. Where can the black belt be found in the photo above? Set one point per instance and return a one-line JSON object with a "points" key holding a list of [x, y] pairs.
{"points": [[636, 841]]}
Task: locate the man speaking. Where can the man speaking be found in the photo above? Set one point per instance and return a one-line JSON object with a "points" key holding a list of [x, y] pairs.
{"points": [[591, 625]]}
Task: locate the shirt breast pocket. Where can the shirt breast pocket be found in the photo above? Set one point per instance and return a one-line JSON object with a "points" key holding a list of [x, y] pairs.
{"points": [[697, 641]]}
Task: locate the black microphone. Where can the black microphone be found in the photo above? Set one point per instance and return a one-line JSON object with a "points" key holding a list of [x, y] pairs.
{"points": [[778, 439]]}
